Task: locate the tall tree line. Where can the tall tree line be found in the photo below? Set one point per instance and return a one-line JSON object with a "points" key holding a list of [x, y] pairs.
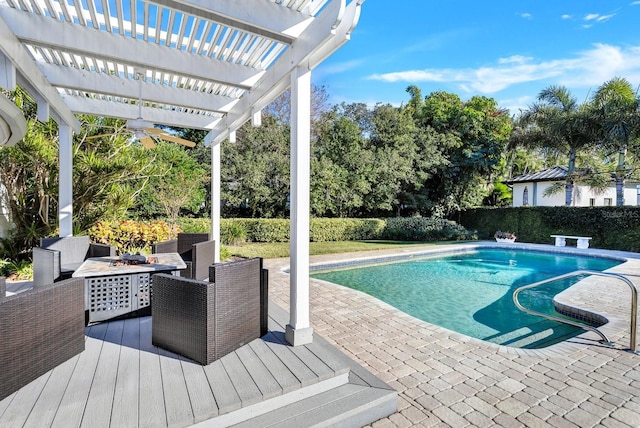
{"points": [[434, 155]]}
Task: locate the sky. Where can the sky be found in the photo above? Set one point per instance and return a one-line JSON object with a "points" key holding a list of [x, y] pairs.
{"points": [[508, 50]]}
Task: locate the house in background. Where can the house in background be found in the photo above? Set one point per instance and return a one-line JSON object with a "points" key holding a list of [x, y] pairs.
{"points": [[529, 190]]}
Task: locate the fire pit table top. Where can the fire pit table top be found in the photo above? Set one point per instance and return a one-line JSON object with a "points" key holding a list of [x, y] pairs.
{"points": [[102, 266]]}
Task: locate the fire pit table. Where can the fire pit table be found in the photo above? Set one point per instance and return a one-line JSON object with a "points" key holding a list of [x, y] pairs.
{"points": [[115, 286]]}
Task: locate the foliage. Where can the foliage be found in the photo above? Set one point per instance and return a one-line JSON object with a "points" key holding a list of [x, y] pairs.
{"points": [[281, 249], [178, 185], [16, 270], [108, 173], [344, 229], [424, 229], [255, 179], [612, 228], [130, 236]]}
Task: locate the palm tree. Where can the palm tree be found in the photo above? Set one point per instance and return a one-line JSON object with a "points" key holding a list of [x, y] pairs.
{"points": [[559, 123], [618, 114]]}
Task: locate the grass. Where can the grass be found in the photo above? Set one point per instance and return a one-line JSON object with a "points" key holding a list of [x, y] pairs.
{"points": [[270, 250]]}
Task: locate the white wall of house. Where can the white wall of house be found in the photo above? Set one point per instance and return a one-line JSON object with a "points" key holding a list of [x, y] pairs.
{"points": [[583, 196]]}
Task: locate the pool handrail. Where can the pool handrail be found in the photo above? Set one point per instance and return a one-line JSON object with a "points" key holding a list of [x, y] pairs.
{"points": [[605, 339]]}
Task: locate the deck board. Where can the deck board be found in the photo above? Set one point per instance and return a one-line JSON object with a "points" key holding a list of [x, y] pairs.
{"points": [[49, 401], [263, 379], [227, 399], [287, 381], [98, 409], [74, 400], [152, 409], [121, 379], [125, 401], [241, 379], [201, 397]]}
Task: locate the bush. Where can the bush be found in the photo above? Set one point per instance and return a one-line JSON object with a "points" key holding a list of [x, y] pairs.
{"points": [[130, 236], [345, 229], [424, 229], [612, 228]]}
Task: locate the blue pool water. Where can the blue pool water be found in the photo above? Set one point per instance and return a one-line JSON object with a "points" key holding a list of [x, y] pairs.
{"points": [[471, 293]]}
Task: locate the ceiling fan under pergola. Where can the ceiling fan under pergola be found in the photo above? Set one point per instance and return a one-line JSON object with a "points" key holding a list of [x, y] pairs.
{"points": [[143, 132]]}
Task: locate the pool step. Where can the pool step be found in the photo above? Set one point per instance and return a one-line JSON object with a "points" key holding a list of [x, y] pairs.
{"points": [[538, 335]]}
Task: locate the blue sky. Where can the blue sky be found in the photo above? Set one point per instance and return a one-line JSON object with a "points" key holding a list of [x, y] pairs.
{"points": [[508, 50]]}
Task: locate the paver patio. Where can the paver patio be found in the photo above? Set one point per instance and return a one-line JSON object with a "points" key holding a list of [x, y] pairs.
{"points": [[446, 379]]}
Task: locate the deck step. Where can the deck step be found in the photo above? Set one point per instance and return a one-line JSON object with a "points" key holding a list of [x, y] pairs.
{"points": [[349, 405]]}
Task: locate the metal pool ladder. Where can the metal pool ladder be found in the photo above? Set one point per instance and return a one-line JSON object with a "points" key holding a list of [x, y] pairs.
{"points": [[605, 340]]}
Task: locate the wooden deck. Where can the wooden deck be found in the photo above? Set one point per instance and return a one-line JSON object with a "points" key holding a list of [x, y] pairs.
{"points": [[122, 380]]}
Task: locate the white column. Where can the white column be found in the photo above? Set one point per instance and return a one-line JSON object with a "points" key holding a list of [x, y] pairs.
{"points": [[215, 198], [65, 184], [299, 331]]}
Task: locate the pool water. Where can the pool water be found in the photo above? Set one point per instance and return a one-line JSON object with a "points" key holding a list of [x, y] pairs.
{"points": [[472, 293]]}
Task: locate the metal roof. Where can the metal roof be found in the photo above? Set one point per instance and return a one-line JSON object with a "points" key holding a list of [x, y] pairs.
{"points": [[556, 173], [202, 64]]}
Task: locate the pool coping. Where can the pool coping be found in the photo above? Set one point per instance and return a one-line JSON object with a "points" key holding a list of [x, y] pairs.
{"points": [[588, 293]]}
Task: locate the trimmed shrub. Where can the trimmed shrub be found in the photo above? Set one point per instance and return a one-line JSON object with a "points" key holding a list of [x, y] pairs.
{"points": [[130, 236], [614, 228], [345, 229], [424, 229]]}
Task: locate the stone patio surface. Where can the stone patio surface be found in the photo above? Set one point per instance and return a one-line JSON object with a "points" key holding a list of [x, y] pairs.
{"points": [[444, 378]]}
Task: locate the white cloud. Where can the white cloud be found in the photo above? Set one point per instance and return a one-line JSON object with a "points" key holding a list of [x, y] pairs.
{"points": [[598, 18], [634, 3], [526, 15], [566, 16], [589, 68]]}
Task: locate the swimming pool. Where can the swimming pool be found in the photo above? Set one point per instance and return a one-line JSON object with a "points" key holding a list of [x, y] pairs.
{"points": [[471, 292]]}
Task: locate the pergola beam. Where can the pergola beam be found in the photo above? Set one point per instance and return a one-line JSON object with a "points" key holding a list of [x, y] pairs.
{"points": [[259, 17], [31, 78], [169, 117], [326, 34], [102, 83], [108, 47]]}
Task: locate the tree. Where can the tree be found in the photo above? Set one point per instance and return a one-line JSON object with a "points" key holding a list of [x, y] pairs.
{"points": [[255, 170], [471, 137], [108, 173], [179, 185], [559, 123], [618, 114]]}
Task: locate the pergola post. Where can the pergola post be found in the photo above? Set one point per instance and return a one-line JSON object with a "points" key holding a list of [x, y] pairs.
{"points": [[215, 198], [65, 184], [299, 331]]}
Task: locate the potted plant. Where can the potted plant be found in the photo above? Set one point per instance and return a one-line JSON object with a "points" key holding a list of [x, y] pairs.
{"points": [[504, 236]]}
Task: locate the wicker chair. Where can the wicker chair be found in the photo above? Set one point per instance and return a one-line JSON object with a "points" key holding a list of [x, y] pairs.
{"points": [[58, 258], [39, 329], [207, 320], [197, 251]]}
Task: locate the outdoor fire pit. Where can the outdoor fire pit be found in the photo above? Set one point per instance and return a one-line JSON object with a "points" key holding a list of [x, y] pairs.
{"points": [[134, 259]]}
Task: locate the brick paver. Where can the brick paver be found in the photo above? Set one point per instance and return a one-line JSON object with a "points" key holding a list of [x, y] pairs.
{"points": [[446, 379]]}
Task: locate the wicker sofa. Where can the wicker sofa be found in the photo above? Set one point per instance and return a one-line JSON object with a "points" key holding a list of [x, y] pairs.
{"points": [[39, 329], [207, 320], [197, 251], [58, 258]]}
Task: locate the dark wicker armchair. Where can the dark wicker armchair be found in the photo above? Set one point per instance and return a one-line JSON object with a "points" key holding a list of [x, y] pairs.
{"points": [[197, 251], [58, 258], [39, 329], [206, 320]]}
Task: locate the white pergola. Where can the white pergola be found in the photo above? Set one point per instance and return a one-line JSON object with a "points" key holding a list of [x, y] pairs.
{"points": [[200, 64]]}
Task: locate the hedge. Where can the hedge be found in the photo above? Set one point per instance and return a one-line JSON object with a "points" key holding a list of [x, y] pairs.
{"points": [[131, 235], [615, 228]]}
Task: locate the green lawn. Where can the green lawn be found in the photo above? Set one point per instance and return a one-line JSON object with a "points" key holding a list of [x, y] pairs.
{"points": [[281, 249]]}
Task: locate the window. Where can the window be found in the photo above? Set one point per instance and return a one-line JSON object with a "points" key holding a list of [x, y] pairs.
{"points": [[608, 202], [525, 196], [592, 202]]}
